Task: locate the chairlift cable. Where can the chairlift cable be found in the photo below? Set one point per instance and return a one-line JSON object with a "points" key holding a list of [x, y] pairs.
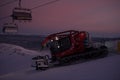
{"points": [[10, 2], [20, 3], [5, 17], [50, 2]]}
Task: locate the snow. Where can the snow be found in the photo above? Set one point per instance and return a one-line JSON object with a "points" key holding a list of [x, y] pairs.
{"points": [[15, 64], [13, 49]]}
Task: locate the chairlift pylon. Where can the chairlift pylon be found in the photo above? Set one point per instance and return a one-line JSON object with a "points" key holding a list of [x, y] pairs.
{"points": [[10, 28]]}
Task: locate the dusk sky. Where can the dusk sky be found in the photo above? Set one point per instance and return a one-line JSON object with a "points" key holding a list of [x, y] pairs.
{"points": [[98, 17]]}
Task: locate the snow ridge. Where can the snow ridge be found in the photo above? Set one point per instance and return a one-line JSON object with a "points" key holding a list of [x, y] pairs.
{"points": [[11, 49]]}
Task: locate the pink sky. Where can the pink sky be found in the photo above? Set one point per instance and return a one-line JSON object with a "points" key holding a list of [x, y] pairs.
{"points": [[99, 17]]}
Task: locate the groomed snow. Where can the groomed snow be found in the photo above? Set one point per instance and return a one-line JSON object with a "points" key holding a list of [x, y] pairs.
{"points": [[14, 66]]}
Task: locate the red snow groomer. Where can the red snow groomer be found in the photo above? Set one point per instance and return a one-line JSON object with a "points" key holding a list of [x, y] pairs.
{"points": [[70, 45]]}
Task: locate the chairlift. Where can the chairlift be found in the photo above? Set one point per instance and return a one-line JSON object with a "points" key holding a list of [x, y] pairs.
{"points": [[10, 28], [21, 14]]}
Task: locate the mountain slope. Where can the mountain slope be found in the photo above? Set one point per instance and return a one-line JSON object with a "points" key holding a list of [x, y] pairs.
{"points": [[17, 67]]}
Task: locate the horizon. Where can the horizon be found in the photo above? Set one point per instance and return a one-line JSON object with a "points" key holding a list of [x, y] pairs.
{"points": [[45, 35]]}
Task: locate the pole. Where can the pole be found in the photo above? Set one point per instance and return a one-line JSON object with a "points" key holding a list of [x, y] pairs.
{"points": [[20, 3]]}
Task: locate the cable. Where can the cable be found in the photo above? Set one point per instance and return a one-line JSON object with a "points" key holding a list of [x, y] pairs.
{"points": [[50, 2], [5, 5], [19, 3], [5, 17], [8, 3]]}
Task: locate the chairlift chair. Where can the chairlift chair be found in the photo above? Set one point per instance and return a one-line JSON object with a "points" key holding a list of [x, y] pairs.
{"points": [[21, 14], [10, 28]]}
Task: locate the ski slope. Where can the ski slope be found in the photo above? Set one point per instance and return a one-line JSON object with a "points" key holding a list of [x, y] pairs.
{"points": [[15, 64]]}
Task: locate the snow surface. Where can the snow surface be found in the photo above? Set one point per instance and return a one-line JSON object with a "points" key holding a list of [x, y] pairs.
{"points": [[15, 64]]}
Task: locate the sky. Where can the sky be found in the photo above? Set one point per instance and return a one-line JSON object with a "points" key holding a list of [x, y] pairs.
{"points": [[98, 17]]}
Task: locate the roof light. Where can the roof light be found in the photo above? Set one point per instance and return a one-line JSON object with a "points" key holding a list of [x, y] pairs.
{"points": [[58, 46], [51, 40], [56, 38]]}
